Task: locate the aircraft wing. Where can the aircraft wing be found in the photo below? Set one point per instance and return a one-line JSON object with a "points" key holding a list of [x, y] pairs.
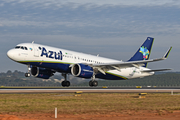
{"points": [[120, 65]]}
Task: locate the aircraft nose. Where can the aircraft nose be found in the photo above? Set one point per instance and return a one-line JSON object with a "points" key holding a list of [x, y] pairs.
{"points": [[10, 54]]}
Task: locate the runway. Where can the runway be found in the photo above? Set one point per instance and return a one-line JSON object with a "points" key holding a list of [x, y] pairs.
{"points": [[90, 90]]}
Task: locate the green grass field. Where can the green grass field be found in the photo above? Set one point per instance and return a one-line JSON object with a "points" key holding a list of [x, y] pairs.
{"points": [[87, 103]]}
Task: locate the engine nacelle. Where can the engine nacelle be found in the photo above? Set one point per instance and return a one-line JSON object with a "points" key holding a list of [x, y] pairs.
{"points": [[81, 70], [41, 72]]}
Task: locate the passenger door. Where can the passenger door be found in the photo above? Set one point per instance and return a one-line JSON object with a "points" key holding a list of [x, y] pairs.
{"points": [[36, 51]]}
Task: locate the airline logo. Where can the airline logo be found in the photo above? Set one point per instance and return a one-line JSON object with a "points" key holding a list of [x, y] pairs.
{"points": [[52, 54], [31, 49], [145, 52]]}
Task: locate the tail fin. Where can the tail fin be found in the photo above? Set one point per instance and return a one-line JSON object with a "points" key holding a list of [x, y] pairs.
{"points": [[144, 51]]}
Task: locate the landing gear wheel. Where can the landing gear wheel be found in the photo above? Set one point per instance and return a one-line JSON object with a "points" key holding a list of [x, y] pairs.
{"points": [[90, 83], [65, 83], [27, 74], [93, 83]]}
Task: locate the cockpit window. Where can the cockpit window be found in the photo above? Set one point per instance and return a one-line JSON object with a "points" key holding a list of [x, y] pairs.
{"points": [[17, 47], [21, 47]]}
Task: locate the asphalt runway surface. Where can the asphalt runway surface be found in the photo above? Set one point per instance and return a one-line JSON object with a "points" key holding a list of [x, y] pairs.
{"points": [[98, 89]]}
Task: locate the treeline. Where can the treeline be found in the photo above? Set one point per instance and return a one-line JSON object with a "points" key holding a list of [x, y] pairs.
{"points": [[17, 78], [163, 79]]}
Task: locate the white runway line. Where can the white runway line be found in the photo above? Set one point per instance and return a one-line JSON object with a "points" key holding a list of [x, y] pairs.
{"points": [[85, 90]]}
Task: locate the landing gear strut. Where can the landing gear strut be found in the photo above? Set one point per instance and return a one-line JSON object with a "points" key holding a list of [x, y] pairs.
{"points": [[28, 74], [93, 82], [65, 83]]}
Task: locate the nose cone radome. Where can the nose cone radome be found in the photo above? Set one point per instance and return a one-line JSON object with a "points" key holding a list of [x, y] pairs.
{"points": [[10, 54]]}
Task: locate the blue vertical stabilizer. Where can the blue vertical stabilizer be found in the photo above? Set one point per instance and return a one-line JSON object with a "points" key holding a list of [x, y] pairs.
{"points": [[144, 51]]}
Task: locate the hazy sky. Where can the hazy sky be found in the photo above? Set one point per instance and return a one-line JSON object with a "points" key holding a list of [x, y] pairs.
{"points": [[111, 28]]}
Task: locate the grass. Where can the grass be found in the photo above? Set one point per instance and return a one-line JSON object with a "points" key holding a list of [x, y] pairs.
{"points": [[87, 103]]}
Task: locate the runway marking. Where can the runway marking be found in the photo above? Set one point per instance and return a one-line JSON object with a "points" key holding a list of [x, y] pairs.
{"points": [[86, 90]]}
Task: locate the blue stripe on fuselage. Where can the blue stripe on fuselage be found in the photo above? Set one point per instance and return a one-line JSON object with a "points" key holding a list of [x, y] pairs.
{"points": [[62, 67]]}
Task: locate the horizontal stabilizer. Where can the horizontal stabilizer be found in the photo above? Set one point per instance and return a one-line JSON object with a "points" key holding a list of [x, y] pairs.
{"points": [[155, 70], [137, 64]]}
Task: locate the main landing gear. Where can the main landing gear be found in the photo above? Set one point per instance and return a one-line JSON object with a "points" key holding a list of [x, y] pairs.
{"points": [[28, 74], [65, 83], [93, 82]]}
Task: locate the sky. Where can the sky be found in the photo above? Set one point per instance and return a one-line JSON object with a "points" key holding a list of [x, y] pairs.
{"points": [[111, 28]]}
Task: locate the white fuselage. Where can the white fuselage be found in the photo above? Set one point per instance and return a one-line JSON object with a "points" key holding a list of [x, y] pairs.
{"points": [[55, 58]]}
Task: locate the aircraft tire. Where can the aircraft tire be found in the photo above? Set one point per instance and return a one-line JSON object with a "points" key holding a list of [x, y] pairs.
{"points": [[95, 83], [65, 83], [91, 83], [62, 83], [27, 74]]}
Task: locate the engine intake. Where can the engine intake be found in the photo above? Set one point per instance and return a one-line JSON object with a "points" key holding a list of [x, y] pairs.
{"points": [[41, 72], [81, 70]]}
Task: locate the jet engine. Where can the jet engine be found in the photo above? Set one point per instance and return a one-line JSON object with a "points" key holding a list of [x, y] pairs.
{"points": [[81, 70], [41, 72]]}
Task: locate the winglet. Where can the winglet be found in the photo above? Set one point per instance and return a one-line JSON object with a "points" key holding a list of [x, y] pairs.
{"points": [[167, 53]]}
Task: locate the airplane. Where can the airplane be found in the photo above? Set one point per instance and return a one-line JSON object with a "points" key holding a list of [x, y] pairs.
{"points": [[43, 61]]}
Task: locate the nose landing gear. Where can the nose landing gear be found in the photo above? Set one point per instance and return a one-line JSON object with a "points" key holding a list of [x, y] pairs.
{"points": [[28, 74]]}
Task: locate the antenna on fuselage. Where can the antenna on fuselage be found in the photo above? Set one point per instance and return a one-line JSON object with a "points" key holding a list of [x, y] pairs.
{"points": [[32, 42]]}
